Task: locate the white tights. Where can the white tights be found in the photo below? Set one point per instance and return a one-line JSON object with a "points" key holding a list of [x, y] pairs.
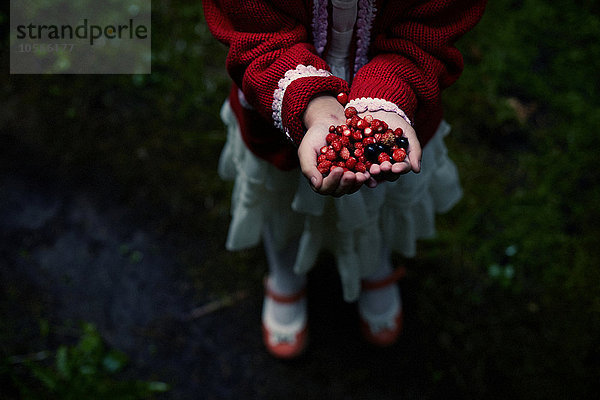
{"points": [[283, 280]]}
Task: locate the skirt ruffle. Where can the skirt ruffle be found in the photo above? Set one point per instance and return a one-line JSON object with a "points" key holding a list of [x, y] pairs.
{"points": [[354, 227]]}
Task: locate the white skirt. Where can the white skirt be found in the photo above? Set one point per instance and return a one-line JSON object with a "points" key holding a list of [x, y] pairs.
{"points": [[355, 228]]}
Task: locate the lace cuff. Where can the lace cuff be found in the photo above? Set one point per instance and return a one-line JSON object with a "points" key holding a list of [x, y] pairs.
{"points": [[370, 104], [301, 71]]}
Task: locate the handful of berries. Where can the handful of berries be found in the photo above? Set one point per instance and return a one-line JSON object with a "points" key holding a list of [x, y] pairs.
{"points": [[360, 143]]}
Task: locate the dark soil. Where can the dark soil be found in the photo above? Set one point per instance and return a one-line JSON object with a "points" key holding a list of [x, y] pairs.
{"points": [[69, 252]]}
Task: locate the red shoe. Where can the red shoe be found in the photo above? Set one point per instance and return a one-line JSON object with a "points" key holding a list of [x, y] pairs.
{"points": [[284, 341], [383, 329]]}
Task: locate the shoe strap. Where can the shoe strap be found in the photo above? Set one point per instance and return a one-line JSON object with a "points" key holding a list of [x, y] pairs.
{"points": [[284, 298], [398, 273]]}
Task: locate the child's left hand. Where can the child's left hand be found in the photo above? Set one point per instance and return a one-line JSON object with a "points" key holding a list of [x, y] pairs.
{"points": [[387, 171]]}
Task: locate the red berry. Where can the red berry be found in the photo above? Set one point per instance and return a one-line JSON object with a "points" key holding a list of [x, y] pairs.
{"points": [[350, 111], [351, 163], [324, 167], [399, 155], [362, 124], [344, 153], [357, 135], [321, 158], [368, 118], [398, 132], [324, 149], [342, 98], [331, 155], [368, 140], [347, 132], [358, 145], [383, 157], [340, 164], [339, 129], [368, 131], [345, 141], [358, 152], [360, 167], [331, 137], [336, 145]]}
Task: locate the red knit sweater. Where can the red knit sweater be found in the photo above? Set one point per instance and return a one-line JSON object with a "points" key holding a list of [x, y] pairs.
{"points": [[403, 53]]}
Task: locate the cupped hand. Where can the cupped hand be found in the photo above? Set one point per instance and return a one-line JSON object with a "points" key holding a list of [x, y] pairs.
{"points": [[388, 171], [338, 182]]}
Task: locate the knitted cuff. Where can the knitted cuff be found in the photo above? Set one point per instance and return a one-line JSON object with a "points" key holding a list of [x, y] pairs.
{"points": [[370, 104], [293, 94]]}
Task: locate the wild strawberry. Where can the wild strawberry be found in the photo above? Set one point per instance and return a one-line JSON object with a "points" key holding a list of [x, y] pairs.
{"points": [[368, 131], [357, 135], [339, 129], [345, 141], [388, 138], [360, 167], [351, 163], [350, 111], [398, 132], [344, 153], [362, 124], [336, 145], [321, 158], [362, 159], [377, 137], [399, 155], [368, 118], [331, 128], [324, 167], [383, 157], [342, 98], [347, 132], [324, 149], [349, 121], [331, 137], [358, 145], [331, 155], [340, 164], [358, 152], [354, 121], [368, 140]]}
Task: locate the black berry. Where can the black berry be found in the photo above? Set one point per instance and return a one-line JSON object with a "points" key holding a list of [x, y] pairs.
{"points": [[371, 152], [402, 142]]}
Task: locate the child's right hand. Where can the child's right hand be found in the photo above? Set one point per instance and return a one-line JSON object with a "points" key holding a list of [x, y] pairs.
{"points": [[337, 183], [322, 112]]}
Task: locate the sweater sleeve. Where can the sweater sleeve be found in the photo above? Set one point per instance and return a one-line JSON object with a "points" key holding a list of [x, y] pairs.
{"points": [[414, 58], [271, 59]]}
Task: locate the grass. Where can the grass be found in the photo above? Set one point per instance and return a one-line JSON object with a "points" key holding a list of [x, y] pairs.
{"points": [[508, 291]]}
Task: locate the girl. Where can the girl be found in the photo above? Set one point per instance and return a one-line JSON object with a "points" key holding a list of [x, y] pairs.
{"points": [[296, 66]]}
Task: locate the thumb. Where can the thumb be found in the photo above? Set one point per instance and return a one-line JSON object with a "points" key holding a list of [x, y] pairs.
{"points": [[308, 165]]}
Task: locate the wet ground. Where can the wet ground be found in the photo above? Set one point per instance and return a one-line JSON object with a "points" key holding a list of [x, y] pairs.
{"points": [[71, 252]]}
